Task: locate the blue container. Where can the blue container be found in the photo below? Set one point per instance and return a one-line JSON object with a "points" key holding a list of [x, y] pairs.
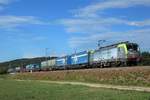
{"points": [[68, 60], [79, 58], [32, 67], [61, 61]]}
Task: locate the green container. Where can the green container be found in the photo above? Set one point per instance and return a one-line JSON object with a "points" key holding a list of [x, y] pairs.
{"points": [[49, 64]]}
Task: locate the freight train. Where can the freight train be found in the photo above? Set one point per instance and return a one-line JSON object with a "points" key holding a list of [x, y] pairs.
{"points": [[119, 54]]}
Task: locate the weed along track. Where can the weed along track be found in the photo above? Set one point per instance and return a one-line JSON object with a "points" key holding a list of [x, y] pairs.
{"points": [[127, 76]]}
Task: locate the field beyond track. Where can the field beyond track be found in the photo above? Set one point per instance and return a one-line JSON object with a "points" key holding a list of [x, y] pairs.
{"points": [[84, 84], [34, 90], [134, 76]]}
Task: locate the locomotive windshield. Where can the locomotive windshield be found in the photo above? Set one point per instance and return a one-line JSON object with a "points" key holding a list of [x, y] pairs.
{"points": [[132, 47]]}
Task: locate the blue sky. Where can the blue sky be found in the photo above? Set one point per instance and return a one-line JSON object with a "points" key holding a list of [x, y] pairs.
{"points": [[27, 27]]}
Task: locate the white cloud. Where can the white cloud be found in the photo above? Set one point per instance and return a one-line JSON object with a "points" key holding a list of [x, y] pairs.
{"points": [[4, 3], [10, 22], [15, 21], [91, 21], [139, 36], [98, 25], [83, 25], [140, 23], [90, 11]]}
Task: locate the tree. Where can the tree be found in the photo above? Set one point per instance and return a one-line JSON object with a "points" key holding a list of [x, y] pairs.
{"points": [[145, 58]]}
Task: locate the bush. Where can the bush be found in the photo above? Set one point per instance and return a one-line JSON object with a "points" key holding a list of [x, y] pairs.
{"points": [[3, 70], [145, 58]]}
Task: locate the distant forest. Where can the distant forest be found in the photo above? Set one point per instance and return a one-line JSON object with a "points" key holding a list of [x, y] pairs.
{"points": [[23, 62]]}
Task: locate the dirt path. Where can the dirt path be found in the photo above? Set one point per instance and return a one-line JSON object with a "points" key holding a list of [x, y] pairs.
{"points": [[132, 88]]}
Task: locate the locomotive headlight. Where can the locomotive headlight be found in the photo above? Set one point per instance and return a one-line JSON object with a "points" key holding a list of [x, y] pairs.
{"points": [[138, 49]]}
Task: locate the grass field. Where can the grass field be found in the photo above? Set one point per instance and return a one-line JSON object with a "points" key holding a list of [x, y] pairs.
{"points": [[135, 76], [30, 90]]}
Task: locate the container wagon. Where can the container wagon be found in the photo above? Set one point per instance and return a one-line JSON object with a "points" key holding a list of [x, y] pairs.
{"points": [[48, 65], [32, 67], [61, 62], [79, 60]]}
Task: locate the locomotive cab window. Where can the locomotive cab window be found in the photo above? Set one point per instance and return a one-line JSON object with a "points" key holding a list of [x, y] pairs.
{"points": [[133, 47]]}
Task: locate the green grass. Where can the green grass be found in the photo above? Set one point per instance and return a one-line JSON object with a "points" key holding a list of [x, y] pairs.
{"points": [[34, 90]]}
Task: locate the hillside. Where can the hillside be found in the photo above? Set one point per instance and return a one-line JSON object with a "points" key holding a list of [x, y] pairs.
{"points": [[20, 63]]}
